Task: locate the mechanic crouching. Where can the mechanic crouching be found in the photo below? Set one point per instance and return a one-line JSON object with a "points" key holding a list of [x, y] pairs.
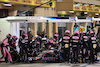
{"points": [[13, 44], [24, 46], [56, 41], [4, 48]]}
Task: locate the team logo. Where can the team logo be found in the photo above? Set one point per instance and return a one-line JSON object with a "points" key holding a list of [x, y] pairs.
{"points": [[66, 46]]}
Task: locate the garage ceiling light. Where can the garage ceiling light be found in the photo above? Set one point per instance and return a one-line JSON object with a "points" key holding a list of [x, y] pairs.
{"points": [[80, 3], [7, 4], [76, 5], [86, 4], [92, 5], [71, 11], [96, 13], [85, 13]]}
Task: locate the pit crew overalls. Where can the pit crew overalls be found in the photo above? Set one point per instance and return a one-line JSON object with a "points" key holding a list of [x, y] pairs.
{"points": [[66, 47], [85, 40], [93, 45], [75, 46]]}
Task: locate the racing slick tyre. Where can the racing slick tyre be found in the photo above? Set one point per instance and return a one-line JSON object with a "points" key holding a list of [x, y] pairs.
{"points": [[61, 59], [15, 56]]}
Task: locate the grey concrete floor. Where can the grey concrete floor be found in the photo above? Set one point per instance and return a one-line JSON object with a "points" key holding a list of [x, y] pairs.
{"points": [[47, 65]]}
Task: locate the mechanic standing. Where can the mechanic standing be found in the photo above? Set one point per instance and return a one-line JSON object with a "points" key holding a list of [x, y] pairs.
{"points": [[75, 45], [84, 47], [66, 46], [93, 45]]}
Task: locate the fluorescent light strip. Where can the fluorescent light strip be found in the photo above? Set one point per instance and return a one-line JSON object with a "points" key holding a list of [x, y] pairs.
{"points": [[86, 4], [7, 5], [71, 11], [85, 13], [96, 13]]}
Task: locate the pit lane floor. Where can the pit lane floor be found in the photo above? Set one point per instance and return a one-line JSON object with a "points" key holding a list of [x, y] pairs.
{"points": [[3, 64]]}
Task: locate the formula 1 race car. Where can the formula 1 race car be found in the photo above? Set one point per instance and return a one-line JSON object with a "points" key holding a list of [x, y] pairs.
{"points": [[51, 54]]}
